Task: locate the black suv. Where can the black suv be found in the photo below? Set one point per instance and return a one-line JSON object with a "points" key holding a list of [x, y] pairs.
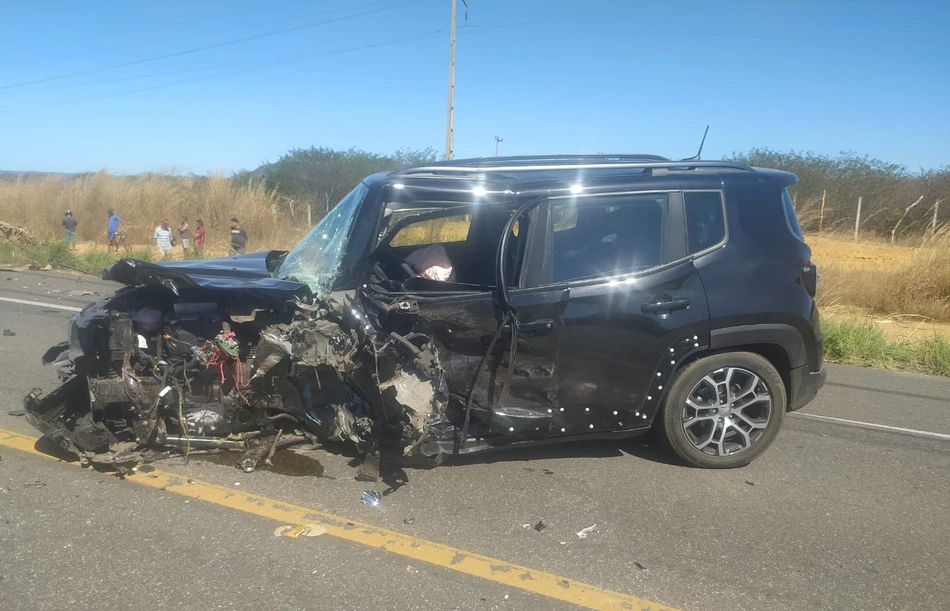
{"points": [[467, 305]]}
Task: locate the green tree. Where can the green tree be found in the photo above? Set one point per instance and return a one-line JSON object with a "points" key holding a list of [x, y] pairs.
{"points": [[315, 179]]}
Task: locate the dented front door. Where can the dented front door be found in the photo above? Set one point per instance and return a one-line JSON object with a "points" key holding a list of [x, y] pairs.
{"points": [[512, 398]]}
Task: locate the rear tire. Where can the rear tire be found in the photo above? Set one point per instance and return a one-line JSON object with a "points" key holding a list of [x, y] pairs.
{"points": [[723, 410]]}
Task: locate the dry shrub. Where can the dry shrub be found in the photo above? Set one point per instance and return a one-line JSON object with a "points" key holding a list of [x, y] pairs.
{"points": [[921, 287], [809, 214], [38, 202]]}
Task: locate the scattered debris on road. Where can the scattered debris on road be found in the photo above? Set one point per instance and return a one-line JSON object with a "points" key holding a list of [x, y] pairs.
{"points": [[16, 412], [300, 530], [372, 498], [9, 332], [584, 532]]}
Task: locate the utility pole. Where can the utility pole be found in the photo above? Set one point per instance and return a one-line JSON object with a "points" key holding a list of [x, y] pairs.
{"points": [[450, 122], [497, 141]]}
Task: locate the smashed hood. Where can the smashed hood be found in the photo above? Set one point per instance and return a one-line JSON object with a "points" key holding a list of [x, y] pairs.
{"points": [[252, 272]]}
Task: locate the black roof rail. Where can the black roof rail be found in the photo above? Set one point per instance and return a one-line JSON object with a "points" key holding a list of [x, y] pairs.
{"points": [[547, 159], [560, 162]]}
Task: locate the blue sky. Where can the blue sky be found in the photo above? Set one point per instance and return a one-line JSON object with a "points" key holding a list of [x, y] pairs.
{"points": [[222, 85]]}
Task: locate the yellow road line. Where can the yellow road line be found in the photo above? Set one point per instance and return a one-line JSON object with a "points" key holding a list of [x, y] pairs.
{"points": [[445, 556]]}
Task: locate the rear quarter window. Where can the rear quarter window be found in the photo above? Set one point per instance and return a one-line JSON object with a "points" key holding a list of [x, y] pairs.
{"points": [[705, 219], [791, 217]]}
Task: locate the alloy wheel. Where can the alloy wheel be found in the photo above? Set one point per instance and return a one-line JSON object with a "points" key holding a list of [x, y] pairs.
{"points": [[727, 411]]}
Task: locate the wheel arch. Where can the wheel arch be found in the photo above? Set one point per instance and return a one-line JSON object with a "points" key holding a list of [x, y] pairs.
{"points": [[780, 344], [773, 353]]}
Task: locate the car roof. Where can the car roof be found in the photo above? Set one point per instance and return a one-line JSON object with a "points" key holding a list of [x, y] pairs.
{"points": [[498, 178]]}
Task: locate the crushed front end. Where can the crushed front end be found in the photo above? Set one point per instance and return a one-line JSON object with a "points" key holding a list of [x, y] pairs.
{"points": [[174, 364]]}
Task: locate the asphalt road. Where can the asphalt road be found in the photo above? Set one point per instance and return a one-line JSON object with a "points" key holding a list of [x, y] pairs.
{"points": [[835, 515]]}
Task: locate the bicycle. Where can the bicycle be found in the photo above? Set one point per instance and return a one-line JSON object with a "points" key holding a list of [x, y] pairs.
{"points": [[120, 241]]}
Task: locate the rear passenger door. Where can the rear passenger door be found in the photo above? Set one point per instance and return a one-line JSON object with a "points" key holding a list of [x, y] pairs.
{"points": [[635, 304]]}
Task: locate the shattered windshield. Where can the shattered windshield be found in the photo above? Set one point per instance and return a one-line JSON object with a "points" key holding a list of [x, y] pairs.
{"points": [[316, 259]]}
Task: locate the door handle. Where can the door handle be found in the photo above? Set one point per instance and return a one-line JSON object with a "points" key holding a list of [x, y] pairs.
{"points": [[665, 306], [537, 327]]}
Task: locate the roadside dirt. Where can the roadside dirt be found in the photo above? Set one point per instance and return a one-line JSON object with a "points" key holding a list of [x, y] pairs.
{"points": [[839, 252], [213, 249]]}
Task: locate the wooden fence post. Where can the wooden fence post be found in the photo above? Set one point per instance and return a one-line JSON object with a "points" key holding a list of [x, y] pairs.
{"points": [[901, 220], [857, 220], [821, 215], [933, 224]]}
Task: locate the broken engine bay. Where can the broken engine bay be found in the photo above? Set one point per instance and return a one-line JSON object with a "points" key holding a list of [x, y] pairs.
{"points": [[163, 367]]}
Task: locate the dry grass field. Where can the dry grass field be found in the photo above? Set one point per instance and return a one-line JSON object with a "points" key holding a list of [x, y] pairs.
{"points": [[902, 290], [38, 202]]}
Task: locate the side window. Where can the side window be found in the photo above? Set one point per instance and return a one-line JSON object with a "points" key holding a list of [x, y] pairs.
{"points": [[434, 231], [455, 251], [606, 235], [705, 223]]}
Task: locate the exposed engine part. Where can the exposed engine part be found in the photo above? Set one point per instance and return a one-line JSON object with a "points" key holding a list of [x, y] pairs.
{"points": [[147, 370]]}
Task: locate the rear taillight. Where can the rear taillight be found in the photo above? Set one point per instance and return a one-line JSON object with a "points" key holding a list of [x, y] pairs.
{"points": [[810, 277]]}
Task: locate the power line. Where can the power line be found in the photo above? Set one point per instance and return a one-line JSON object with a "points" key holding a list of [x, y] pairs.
{"points": [[153, 28], [186, 36], [264, 64], [208, 47]]}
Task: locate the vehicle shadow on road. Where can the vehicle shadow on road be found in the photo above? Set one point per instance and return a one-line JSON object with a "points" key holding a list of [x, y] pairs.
{"points": [[640, 447], [50, 448]]}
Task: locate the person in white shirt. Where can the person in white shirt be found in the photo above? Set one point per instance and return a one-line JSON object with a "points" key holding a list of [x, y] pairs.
{"points": [[163, 238]]}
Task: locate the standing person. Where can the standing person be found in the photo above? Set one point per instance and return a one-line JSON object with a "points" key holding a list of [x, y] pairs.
{"points": [[185, 232], [238, 238], [199, 236], [69, 225], [163, 238], [114, 222]]}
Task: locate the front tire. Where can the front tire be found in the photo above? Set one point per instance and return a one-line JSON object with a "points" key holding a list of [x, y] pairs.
{"points": [[723, 410]]}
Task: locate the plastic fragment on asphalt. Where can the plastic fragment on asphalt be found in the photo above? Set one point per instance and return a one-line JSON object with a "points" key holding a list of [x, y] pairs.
{"points": [[541, 525], [582, 533], [372, 498], [299, 530]]}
